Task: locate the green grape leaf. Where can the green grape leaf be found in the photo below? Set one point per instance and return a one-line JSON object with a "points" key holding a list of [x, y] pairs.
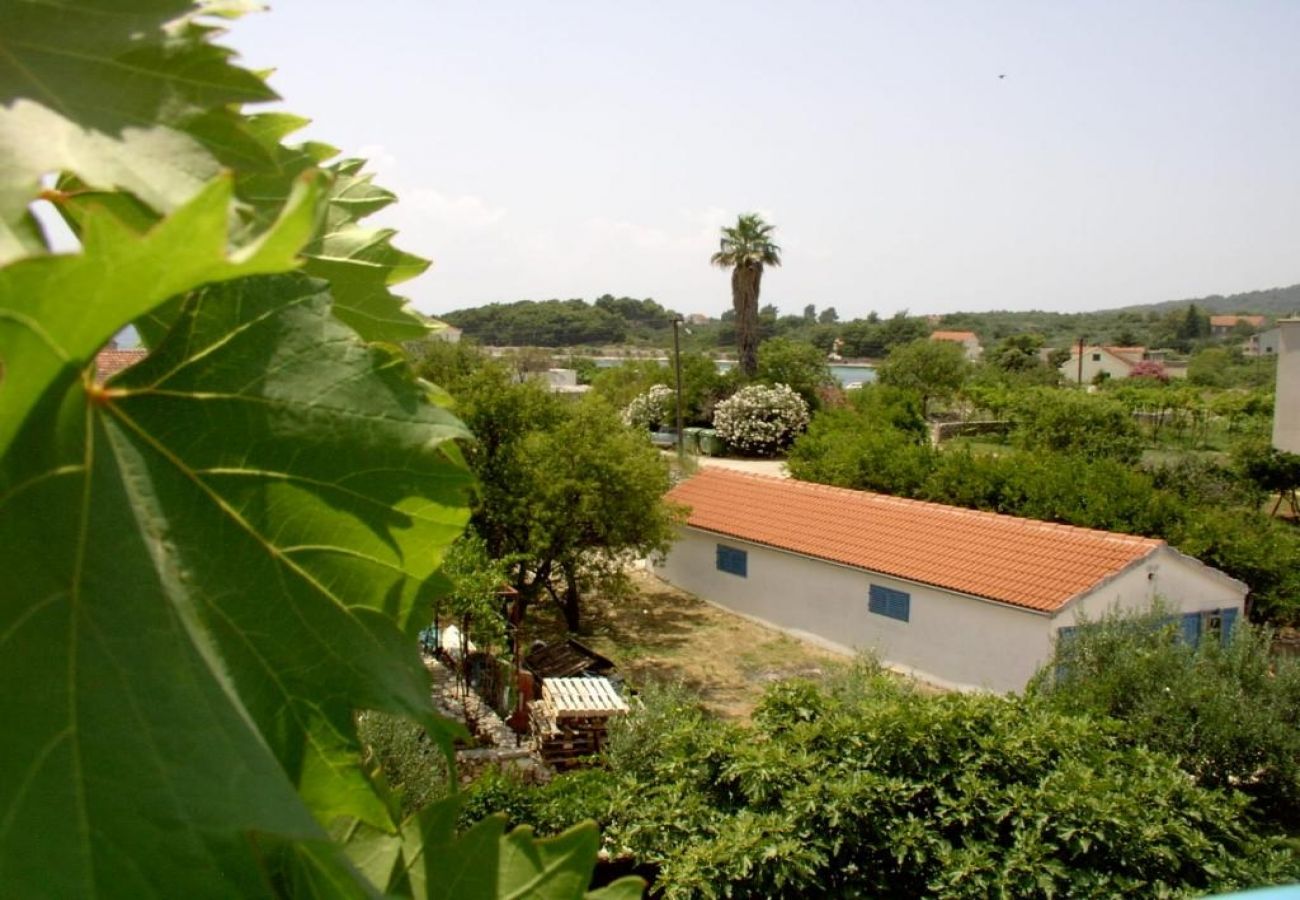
{"points": [[57, 311], [361, 264], [629, 887], [105, 90], [429, 861], [206, 565]]}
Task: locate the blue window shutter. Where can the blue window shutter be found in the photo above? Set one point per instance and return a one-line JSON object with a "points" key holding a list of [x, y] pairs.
{"points": [[888, 602], [1229, 620], [732, 561], [1192, 628]]}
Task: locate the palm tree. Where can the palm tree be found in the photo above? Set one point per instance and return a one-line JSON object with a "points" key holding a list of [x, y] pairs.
{"points": [[745, 249]]}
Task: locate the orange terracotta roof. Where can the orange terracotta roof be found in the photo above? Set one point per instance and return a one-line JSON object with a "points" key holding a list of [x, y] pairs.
{"points": [[1126, 353], [110, 362], [1024, 562], [954, 336], [1230, 321]]}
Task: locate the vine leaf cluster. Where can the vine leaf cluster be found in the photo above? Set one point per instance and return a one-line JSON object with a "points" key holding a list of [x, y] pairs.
{"points": [[210, 562]]}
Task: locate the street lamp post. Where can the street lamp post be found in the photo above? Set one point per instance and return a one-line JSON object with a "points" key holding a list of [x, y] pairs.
{"points": [[677, 361]]}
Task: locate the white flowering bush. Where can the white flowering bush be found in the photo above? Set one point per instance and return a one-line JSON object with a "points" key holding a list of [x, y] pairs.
{"points": [[651, 409], [761, 419]]}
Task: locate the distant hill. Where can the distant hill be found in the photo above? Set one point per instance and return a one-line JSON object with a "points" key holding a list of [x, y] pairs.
{"points": [[1283, 301], [611, 320]]}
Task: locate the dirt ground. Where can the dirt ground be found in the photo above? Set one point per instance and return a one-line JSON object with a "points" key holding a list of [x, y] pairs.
{"points": [[666, 635]]}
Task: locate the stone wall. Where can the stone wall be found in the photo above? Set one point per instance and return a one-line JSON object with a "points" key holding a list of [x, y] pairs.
{"points": [[943, 431], [497, 744]]}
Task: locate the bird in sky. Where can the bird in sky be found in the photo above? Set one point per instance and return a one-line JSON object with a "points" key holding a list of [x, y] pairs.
{"points": [[1002, 76]]}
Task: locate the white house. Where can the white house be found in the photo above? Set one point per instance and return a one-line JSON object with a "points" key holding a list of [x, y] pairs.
{"points": [[963, 599], [1264, 343], [1116, 362]]}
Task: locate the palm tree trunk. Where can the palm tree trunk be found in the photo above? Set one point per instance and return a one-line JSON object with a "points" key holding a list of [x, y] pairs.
{"points": [[745, 279]]}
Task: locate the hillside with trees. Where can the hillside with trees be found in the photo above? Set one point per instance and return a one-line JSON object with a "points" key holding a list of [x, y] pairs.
{"points": [[1181, 326]]}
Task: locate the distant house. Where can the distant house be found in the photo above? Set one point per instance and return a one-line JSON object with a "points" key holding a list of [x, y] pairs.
{"points": [[697, 319], [1263, 343], [1222, 325], [563, 381], [964, 599], [1116, 362], [444, 332], [110, 361], [969, 341]]}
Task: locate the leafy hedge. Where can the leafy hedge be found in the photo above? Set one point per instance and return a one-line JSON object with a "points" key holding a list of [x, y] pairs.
{"points": [[864, 788], [1229, 713]]}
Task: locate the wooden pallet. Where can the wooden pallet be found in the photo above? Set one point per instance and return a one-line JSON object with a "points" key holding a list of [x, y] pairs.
{"points": [[571, 718], [573, 698]]}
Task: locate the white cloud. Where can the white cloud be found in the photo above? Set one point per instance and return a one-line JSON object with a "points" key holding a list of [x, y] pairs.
{"points": [[443, 211]]}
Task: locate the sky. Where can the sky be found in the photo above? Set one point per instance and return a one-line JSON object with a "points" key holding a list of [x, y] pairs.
{"points": [[1133, 152]]}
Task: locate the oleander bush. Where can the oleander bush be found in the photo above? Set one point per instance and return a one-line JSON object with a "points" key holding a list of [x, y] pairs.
{"points": [[761, 420], [652, 409]]}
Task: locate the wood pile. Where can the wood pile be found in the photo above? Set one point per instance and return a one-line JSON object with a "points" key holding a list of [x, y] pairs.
{"points": [[570, 721]]}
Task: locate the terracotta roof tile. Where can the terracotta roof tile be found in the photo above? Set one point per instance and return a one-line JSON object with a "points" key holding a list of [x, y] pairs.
{"points": [[1024, 562], [110, 362], [954, 336]]}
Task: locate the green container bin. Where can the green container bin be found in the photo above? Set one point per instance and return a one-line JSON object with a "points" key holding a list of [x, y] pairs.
{"points": [[691, 439], [710, 443]]}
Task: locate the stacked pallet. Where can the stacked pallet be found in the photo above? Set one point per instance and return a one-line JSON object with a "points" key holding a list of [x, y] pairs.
{"points": [[571, 720]]}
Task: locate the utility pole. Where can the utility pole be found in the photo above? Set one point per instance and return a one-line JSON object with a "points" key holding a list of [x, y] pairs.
{"points": [[677, 361], [1080, 359]]}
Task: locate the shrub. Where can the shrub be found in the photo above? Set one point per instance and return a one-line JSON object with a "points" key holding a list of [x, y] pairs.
{"points": [[1149, 369], [761, 420], [1229, 713], [1072, 422], [861, 787], [414, 766], [652, 409], [799, 365]]}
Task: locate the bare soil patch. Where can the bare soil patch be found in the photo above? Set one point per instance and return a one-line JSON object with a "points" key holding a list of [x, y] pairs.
{"points": [[666, 635]]}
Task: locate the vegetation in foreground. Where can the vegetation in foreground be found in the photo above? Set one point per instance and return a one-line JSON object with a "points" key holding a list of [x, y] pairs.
{"points": [[860, 786], [200, 584]]}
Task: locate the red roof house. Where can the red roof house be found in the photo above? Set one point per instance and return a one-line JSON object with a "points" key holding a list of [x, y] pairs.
{"points": [[959, 597]]}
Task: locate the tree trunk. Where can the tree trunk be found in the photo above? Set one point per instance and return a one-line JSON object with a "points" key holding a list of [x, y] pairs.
{"points": [[572, 602], [745, 279]]}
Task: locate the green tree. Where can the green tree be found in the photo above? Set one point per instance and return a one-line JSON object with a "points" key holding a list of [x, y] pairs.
{"points": [[1193, 325], [473, 599], [935, 370], [1093, 426], [800, 366], [592, 494], [1018, 353], [567, 493], [212, 562], [746, 248], [828, 316]]}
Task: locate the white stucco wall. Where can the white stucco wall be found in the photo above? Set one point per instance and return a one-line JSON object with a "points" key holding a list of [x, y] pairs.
{"points": [[1286, 408], [952, 640], [1182, 583], [1108, 363]]}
